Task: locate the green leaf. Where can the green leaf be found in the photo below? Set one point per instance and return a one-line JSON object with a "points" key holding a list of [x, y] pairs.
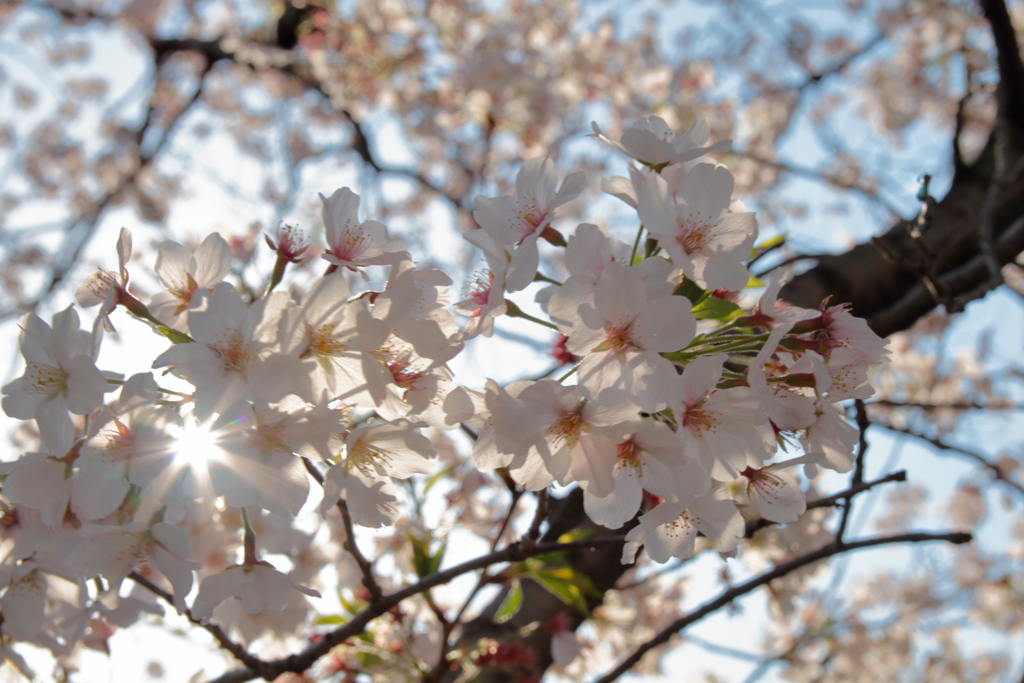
{"points": [[767, 244], [423, 560], [175, 336], [568, 585], [511, 604], [713, 308], [434, 478], [691, 290], [329, 619], [753, 282]]}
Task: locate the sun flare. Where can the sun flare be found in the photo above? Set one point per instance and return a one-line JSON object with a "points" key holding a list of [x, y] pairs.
{"points": [[196, 445]]}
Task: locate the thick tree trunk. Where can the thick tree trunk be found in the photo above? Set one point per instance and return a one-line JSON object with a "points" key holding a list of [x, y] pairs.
{"points": [[888, 288]]}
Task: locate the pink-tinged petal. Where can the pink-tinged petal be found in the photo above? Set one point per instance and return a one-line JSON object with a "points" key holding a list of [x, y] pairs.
{"points": [[124, 252], [35, 341], [325, 301], [620, 295], [720, 272], [211, 261], [65, 335], [497, 216], [217, 588], [373, 503], [707, 189], [216, 315], [40, 482], [85, 386], [646, 147], [172, 266], [719, 520], [620, 505], [593, 461], [177, 571], [283, 486], [657, 210], [24, 603], [666, 531], [531, 471], [55, 426], [523, 266], [536, 182], [734, 233], [666, 324], [571, 188], [620, 188], [777, 495], [700, 377], [274, 377], [97, 489], [341, 217], [21, 400]]}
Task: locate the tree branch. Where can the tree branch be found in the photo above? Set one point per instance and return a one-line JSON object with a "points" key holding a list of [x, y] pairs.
{"points": [[961, 451], [301, 661], [755, 525], [835, 548], [236, 649]]}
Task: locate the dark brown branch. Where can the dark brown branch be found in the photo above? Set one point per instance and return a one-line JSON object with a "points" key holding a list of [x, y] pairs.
{"points": [[365, 566], [305, 659], [960, 451], [756, 525], [779, 571], [858, 467], [968, 405], [1010, 91], [222, 638]]}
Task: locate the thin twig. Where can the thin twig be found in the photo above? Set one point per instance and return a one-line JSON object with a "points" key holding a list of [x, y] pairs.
{"points": [[835, 548], [236, 649], [958, 450], [514, 553], [365, 566], [756, 525]]}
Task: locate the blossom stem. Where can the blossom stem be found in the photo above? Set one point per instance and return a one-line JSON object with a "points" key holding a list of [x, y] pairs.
{"points": [[513, 311], [544, 278], [636, 245], [248, 540], [278, 274], [568, 374]]}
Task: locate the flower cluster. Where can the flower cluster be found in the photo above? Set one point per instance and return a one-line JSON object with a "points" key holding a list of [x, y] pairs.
{"points": [[675, 395]]}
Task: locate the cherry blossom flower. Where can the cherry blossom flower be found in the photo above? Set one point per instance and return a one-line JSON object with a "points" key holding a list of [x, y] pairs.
{"points": [[725, 429], [373, 454], [60, 376], [115, 551], [486, 295], [106, 288], [670, 529], [701, 235], [557, 434], [352, 244], [520, 220], [255, 464], [651, 142], [257, 586], [234, 356], [646, 459], [39, 481], [621, 337], [334, 339], [183, 272], [777, 494]]}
